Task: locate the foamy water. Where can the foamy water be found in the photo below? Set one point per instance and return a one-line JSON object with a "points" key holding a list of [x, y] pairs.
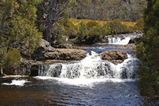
{"points": [[17, 82]]}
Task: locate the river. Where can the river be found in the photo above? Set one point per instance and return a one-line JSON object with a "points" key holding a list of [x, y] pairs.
{"points": [[89, 82]]}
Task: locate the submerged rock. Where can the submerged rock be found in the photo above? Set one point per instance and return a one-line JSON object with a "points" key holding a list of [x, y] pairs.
{"points": [[114, 56]]}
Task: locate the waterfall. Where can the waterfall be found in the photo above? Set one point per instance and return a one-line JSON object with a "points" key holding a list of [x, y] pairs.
{"points": [[92, 67], [119, 40]]}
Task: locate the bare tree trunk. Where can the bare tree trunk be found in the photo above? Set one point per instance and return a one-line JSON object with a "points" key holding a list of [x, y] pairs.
{"points": [[53, 16]]}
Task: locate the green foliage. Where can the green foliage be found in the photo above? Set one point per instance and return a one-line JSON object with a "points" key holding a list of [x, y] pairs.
{"points": [[66, 21], [117, 27], [83, 32], [11, 59], [100, 30], [140, 24], [20, 26], [91, 24], [20, 23], [148, 52], [58, 33]]}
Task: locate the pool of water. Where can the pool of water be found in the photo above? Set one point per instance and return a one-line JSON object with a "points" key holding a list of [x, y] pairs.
{"points": [[50, 91]]}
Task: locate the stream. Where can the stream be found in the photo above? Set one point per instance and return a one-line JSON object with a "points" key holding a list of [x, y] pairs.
{"points": [[89, 82]]}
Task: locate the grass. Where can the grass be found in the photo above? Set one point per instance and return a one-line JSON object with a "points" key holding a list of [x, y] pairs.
{"points": [[76, 22]]}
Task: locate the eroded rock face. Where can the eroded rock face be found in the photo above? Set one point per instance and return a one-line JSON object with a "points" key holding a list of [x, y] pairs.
{"points": [[114, 56]]}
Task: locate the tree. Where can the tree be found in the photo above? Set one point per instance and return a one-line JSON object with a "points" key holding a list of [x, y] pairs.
{"points": [[148, 51], [52, 9], [18, 27]]}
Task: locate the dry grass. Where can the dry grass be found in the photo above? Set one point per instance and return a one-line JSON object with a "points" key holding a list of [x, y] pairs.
{"points": [[76, 22]]}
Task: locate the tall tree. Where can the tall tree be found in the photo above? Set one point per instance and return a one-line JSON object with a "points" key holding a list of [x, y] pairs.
{"points": [[53, 9], [18, 28], [148, 51]]}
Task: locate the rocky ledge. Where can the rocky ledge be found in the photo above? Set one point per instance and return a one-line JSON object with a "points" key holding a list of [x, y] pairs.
{"points": [[114, 56], [47, 52], [65, 54]]}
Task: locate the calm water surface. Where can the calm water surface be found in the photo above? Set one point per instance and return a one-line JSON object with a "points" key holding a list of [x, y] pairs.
{"points": [[54, 92]]}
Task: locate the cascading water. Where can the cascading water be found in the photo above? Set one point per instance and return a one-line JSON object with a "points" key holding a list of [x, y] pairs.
{"points": [[119, 40], [122, 39], [92, 67]]}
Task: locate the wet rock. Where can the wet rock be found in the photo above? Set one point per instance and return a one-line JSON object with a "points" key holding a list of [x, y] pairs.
{"points": [[114, 56], [34, 70], [56, 71]]}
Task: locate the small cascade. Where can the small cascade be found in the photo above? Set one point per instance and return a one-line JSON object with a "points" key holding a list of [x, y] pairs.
{"points": [[92, 67], [119, 40]]}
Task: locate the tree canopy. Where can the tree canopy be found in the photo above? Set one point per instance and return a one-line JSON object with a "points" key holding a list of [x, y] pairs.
{"points": [[148, 51]]}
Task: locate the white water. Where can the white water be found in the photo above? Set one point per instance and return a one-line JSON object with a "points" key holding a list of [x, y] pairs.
{"points": [[17, 82], [90, 70], [118, 40]]}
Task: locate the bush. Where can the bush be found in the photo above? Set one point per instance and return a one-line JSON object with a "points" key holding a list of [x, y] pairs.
{"points": [[91, 24], [105, 19], [118, 28], [58, 33], [83, 32], [100, 30], [11, 60]]}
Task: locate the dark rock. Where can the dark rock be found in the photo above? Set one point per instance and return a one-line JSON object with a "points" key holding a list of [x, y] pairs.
{"points": [[56, 71], [24, 68], [34, 70], [132, 40], [42, 49], [114, 56]]}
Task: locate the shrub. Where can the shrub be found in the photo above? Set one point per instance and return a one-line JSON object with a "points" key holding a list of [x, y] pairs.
{"points": [[91, 24], [83, 32], [100, 30], [11, 60], [118, 28], [105, 19], [58, 32]]}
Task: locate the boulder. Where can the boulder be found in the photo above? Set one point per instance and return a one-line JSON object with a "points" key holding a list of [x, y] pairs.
{"points": [[114, 56], [42, 49], [128, 46], [66, 54]]}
